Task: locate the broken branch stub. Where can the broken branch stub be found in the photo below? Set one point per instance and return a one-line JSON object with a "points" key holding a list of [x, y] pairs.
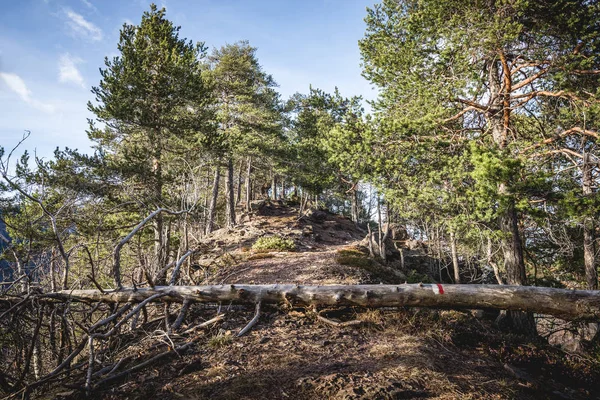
{"points": [[562, 303]]}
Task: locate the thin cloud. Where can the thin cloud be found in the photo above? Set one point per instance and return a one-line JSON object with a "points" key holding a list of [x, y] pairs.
{"points": [[82, 26], [89, 5], [18, 86], [68, 72]]}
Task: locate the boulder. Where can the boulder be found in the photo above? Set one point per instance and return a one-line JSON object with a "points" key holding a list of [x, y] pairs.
{"points": [[316, 215], [256, 205], [390, 250]]}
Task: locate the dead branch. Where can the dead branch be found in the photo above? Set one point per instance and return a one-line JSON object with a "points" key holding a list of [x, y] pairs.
{"points": [[158, 357], [119, 246], [337, 324], [182, 313], [211, 321], [180, 262], [252, 322]]}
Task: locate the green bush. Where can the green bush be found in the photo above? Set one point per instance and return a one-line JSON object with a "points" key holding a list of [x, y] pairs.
{"points": [[220, 340], [273, 243]]}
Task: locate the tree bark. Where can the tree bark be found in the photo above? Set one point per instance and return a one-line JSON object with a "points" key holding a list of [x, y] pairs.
{"points": [[454, 257], [230, 213], [563, 303], [248, 184], [273, 185], [158, 223], [213, 201], [238, 196], [354, 205], [589, 248], [499, 117]]}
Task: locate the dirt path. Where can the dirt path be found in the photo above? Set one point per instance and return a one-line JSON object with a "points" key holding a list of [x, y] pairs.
{"points": [[392, 354]]}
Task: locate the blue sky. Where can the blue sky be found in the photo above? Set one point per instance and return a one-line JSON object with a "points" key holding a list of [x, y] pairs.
{"points": [[50, 52]]}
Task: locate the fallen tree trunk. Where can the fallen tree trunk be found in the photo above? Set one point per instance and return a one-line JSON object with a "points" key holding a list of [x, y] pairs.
{"points": [[562, 303]]}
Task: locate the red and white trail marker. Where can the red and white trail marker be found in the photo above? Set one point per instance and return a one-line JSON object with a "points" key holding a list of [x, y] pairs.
{"points": [[437, 288]]}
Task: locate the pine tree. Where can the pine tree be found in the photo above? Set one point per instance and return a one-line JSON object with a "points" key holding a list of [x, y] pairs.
{"points": [[473, 71], [248, 113], [153, 105]]}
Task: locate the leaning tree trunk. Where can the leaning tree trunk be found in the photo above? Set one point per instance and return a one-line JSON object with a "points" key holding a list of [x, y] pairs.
{"points": [[499, 119], [213, 201], [563, 303], [230, 217]]}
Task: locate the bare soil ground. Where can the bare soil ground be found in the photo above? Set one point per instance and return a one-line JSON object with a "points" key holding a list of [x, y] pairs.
{"points": [[290, 354]]}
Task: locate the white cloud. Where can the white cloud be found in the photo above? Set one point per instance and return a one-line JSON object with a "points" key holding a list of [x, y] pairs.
{"points": [[18, 86], [68, 72], [82, 26], [89, 5]]}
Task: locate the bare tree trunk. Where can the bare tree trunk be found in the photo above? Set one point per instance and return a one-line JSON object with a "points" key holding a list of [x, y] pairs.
{"points": [[52, 270], [186, 240], [589, 248], [37, 359], [492, 263], [454, 257], [158, 223], [238, 196], [212, 210], [273, 185], [206, 198], [380, 231], [563, 303], [248, 184], [371, 253], [230, 212], [354, 205]]}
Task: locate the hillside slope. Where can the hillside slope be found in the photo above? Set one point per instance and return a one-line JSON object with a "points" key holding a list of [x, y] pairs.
{"points": [[293, 354]]}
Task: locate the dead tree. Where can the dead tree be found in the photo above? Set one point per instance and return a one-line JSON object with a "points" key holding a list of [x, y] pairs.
{"points": [[577, 305]]}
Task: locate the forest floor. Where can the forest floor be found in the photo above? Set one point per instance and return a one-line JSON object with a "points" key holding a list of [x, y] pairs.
{"points": [[290, 353]]}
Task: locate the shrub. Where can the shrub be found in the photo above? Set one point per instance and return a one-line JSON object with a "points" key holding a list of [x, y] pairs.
{"points": [[220, 340], [273, 243], [354, 258]]}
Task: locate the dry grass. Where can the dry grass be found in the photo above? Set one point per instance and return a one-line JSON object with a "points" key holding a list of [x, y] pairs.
{"points": [[220, 340]]}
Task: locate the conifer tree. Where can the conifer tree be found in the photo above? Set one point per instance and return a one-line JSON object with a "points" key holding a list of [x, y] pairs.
{"points": [[154, 106], [471, 71], [248, 114]]}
